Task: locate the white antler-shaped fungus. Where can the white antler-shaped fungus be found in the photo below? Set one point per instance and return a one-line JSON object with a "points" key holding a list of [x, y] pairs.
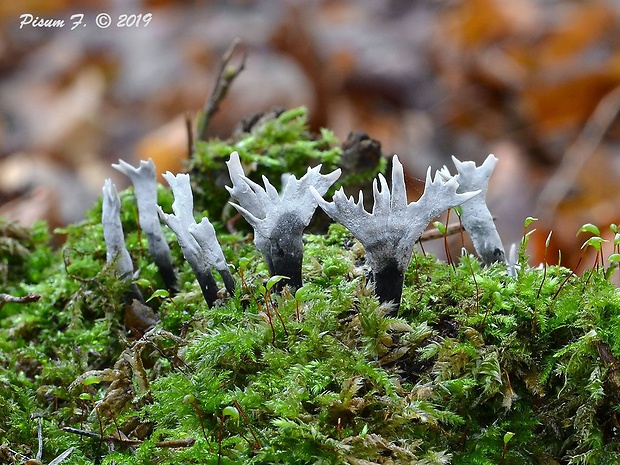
{"points": [[389, 233], [476, 217], [144, 180], [116, 250], [198, 241], [279, 220]]}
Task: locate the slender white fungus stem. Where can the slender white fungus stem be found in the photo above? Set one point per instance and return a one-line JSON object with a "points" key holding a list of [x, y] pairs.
{"points": [[512, 262], [144, 180], [116, 250], [476, 217]]}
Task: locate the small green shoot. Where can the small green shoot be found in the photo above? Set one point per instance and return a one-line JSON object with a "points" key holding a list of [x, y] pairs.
{"points": [[191, 400], [231, 412], [542, 281], [273, 280], [507, 437], [442, 228], [159, 294], [526, 238], [301, 295], [596, 243], [589, 227]]}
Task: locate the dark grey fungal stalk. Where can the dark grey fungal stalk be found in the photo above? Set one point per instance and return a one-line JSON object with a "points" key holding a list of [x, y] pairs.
{"points": [[198, 241], [116, 250], [476, 217], [144, 180], [390, 232], [279, 219]]}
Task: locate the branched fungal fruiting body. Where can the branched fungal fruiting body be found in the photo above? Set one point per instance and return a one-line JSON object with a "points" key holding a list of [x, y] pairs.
{"points": [[279, 220], [389, 233], [116, 251], [476, 217], [198, 241], [144, 180]]}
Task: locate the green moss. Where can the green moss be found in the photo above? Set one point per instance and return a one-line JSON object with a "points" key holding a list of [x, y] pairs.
{"points": [[326, 375], [281, 145]]}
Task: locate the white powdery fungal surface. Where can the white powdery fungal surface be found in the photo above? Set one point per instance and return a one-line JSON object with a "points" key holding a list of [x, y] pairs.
{"points": [[144, 180], [198, 241], [116, 251], [278, 219], [476, 217], [389, 233]]}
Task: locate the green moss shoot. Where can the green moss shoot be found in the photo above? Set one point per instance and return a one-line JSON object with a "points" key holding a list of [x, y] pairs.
{"points": [[477, 367]]}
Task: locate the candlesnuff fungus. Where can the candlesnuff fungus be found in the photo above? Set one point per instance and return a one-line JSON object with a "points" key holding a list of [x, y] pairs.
{"points": [[475, 214], [512, 262], [144, 180], [279, 220], [389, 233], [198, 242], [116, 251]]}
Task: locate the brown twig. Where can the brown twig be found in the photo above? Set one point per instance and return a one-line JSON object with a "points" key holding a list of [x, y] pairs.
{"points": [[225, 76], [434, 233], [576, 156], [131, 442], [7, 298], [190, 135]]}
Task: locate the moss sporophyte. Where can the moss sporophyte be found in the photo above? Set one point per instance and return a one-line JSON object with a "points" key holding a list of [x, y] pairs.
{"points": [[482, 363]]}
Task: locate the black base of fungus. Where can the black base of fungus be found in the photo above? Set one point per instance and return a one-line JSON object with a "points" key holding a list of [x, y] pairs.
{"points": [[229, 281], [289, 267], [389, 284], [133, 293], [169, 277], [160, 252], [286, 258], [208, 287], [492, 256]]}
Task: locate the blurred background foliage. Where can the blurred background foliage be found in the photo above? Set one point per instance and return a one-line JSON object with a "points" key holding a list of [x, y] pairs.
{"points": [[534, 82]]}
